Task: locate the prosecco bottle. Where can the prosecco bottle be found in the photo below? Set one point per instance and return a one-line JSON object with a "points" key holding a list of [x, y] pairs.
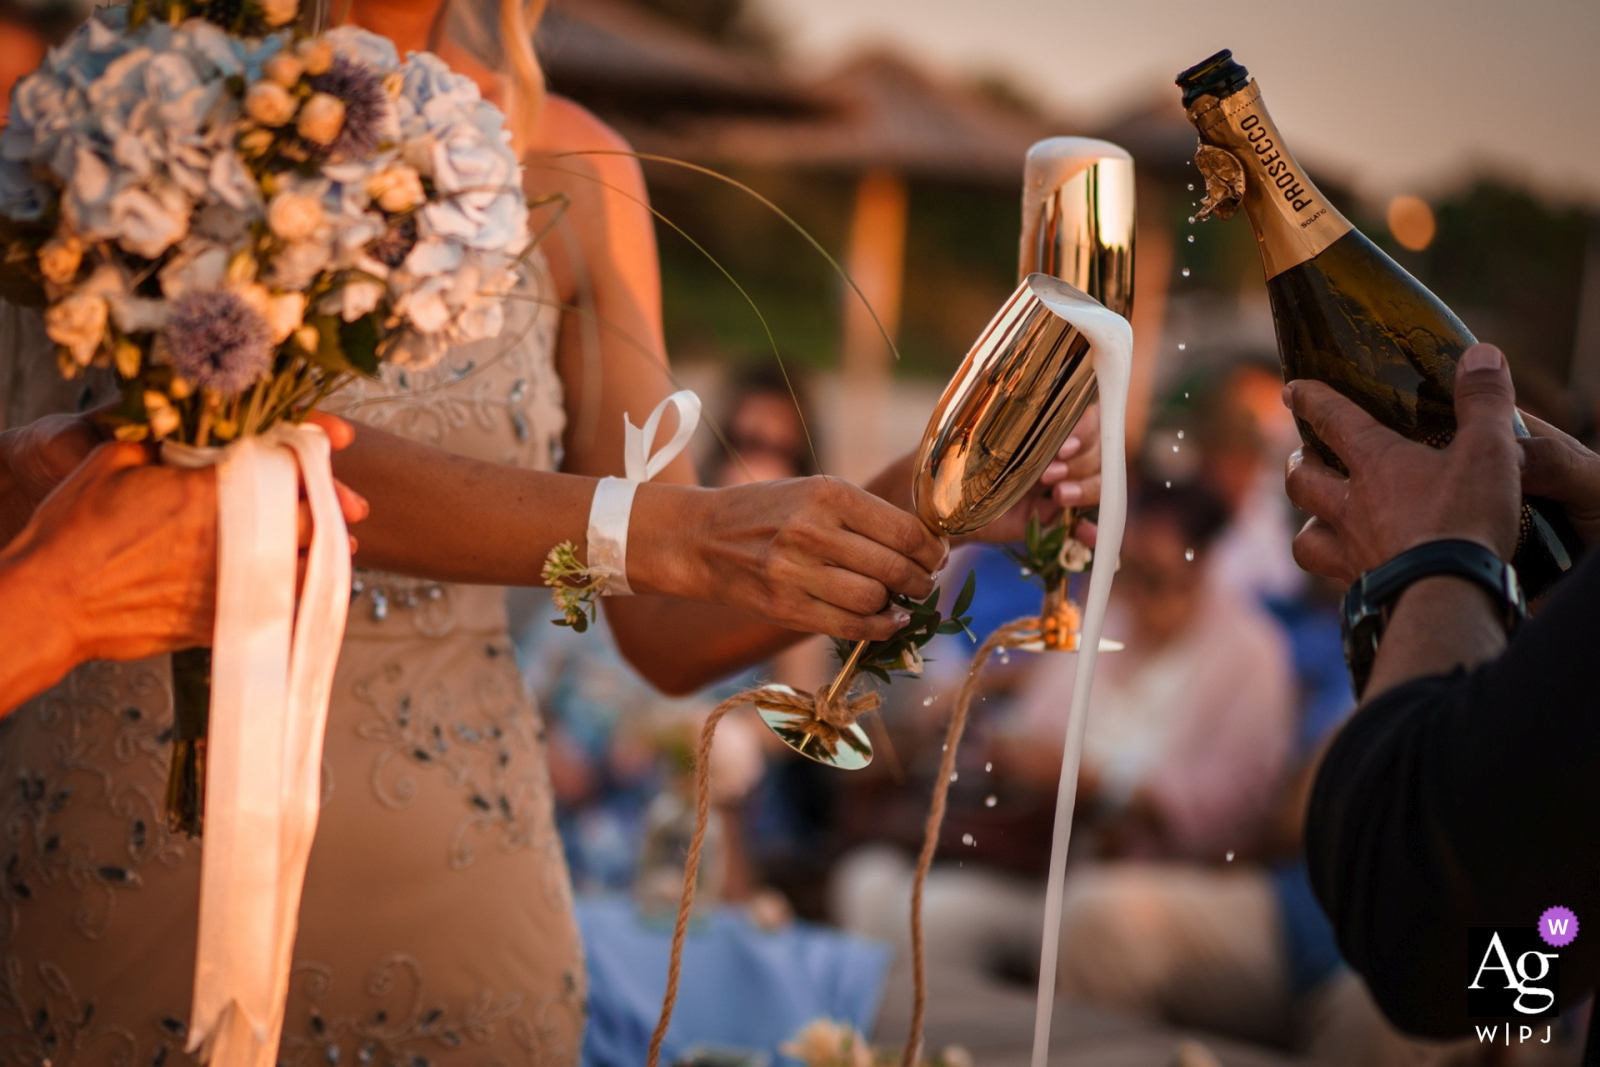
{"points": [[1345, 313]]}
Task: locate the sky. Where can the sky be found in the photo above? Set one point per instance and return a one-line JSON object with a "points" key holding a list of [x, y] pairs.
{"points": [[1392, 96]]}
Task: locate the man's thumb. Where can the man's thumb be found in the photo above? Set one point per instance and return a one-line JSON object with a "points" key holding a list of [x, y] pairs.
{"points": [[1485, 398]]}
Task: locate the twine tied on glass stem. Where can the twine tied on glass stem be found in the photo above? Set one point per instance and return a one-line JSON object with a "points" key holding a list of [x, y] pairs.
{"points": [[839, 713]]}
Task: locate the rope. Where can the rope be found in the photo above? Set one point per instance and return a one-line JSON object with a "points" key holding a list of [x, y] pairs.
{"points": [[841, 714], [1004, 637], [838, 715]]}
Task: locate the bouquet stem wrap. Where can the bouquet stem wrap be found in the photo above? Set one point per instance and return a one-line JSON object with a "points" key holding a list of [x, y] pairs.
{"points": [[272, 673]]}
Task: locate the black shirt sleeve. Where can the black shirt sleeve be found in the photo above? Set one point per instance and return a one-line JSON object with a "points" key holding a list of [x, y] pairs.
{"points": [[1468, 799]]}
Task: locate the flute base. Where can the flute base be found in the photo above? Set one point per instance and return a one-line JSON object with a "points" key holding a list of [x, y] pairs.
{"points": [[1036, 644], [847, 749]]}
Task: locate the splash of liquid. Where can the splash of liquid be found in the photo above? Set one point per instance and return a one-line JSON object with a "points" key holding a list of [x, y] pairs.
{"points": [[1112, 341]]}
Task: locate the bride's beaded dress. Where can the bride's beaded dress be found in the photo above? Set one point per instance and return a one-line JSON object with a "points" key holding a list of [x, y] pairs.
{"points": [[436, 926]]}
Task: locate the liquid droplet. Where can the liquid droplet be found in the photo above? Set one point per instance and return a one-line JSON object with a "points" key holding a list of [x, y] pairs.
{"points": [[990, 801], [1188, 554], [988, 767], [1191, 223], [1186, 394], [1183, 346], [1169, 485], [1005, 657], [969, 841], [954, 775], [1180, 435], [1230, 855], [1027, 571], [1191, 238], [1174, 448], [1191, 187], [927, 702], [1186, 272]]}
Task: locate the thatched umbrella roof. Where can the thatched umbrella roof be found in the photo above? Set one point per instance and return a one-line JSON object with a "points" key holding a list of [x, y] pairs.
{"points": [[625, 61], [881, 112]]}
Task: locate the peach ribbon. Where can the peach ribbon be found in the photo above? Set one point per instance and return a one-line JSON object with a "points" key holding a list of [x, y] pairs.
{"points": [[271, 677]]}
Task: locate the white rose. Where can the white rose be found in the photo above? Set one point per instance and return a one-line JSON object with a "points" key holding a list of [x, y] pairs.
{"points": [[148, 222], [285, 315], [397, 188], [279, 12], [285, 68], [79, 324], [134, 314], [60, 258], [256, 142], [316, 54], [295, 216], [296, 266], [269, 103], [425, 305], [284, 312], [197, 266], [353, 299], [321, 119]]}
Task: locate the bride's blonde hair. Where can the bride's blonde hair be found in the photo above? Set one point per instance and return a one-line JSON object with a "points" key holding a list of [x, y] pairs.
{"points": [[499, 34]]}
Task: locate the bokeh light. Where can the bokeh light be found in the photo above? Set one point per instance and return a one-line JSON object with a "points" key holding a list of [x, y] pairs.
{"points": [[1411, 222]]}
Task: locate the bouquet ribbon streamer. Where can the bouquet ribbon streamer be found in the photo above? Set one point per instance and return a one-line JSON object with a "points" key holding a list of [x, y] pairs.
{"points": [[613, 497], [271, 677]]}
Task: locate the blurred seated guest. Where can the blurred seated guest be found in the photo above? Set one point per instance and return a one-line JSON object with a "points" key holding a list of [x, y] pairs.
{"points": [[1186, 741], [1242, 437], [766, 424], [109, 558]]}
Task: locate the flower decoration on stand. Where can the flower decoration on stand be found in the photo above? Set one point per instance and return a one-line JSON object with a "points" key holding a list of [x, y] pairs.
{"points": [[232, 217], [1050, 558]]}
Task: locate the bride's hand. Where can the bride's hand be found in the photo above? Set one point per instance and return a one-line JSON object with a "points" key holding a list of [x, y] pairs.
{"points": [[34, 459], [812, 554]]}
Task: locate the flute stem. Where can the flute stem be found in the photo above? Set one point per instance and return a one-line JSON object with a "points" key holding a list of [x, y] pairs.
{"points": [[847, 672]]}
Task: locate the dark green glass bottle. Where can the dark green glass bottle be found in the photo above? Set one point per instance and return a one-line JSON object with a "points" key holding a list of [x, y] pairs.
{"points": [[1345, 313]]}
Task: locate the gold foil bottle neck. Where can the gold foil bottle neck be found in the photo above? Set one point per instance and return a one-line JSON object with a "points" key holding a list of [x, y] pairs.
{"points": [[1224, 176]]}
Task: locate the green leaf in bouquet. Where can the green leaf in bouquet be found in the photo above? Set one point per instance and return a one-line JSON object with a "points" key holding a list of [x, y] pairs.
{"points": [[330, 346], [359, 342]]}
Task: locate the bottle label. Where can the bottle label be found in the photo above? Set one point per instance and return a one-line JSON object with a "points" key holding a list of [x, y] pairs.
{"points": [[1293, 220]]}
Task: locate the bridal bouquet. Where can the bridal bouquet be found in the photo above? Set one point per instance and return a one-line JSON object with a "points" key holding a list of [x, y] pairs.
{"points": [[232, 217], [235, 215]]}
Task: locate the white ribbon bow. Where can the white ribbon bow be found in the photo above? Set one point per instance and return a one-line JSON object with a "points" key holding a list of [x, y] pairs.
{"points": [[271, 677], [613, 497]]}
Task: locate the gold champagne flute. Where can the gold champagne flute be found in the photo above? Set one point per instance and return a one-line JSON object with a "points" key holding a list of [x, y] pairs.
{"points": [[1077, 225], [1017, 395]]}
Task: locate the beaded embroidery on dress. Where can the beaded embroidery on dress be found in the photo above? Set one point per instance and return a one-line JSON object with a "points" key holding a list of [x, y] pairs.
{"points": [[436, 926]]}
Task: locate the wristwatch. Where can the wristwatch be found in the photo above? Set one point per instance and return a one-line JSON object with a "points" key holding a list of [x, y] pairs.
{"points": [[1367, 604]]}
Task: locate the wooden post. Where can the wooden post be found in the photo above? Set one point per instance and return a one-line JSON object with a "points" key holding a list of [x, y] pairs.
{"points": [[875, 259]]}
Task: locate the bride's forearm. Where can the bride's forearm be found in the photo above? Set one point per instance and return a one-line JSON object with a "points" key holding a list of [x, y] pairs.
{"points": [[451, 518]]}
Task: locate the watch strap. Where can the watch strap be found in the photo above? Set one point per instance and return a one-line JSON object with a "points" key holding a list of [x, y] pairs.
{"points": [[1371, 595]]}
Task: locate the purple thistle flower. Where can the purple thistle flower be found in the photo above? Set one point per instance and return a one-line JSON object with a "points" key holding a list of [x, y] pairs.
{"points": [[366, 107], [217, 341], [396, 243]]}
